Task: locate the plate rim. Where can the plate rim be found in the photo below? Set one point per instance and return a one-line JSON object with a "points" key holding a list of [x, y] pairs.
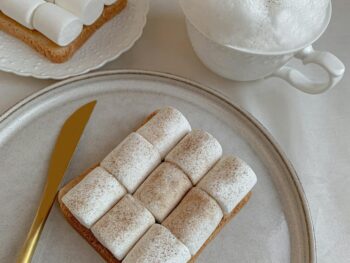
{"points": [[103, 63], [312, 249]]}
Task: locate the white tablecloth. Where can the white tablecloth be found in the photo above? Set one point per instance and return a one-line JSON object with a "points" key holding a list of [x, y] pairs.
{"points": [[314, 131]]}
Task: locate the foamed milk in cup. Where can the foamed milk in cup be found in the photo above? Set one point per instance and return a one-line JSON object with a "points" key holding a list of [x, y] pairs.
{"points": [[260, 25]]}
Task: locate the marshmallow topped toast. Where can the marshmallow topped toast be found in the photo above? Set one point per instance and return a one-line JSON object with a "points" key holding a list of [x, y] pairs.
{"points": [[160, 196], [53, 29]]}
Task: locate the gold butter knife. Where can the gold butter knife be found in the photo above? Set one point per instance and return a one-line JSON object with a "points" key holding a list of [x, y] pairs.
{"points": [[66, 144]]}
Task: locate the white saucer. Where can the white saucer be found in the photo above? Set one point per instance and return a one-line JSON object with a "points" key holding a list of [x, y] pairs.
{"points": [[107, 44]]}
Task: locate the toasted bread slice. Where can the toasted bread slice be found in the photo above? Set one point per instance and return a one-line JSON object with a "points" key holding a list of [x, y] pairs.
{"points": [[104, 252], [51, 50]]}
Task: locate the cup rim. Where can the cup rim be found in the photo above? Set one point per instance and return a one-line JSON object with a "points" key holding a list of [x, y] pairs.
{"points": [[258, 52]]}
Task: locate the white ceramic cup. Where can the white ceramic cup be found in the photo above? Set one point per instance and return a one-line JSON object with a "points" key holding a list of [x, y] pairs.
{"points": [[245, 65]]}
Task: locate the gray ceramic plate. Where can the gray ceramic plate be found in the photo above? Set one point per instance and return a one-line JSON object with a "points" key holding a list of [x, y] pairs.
{"points": [[274, 226]]}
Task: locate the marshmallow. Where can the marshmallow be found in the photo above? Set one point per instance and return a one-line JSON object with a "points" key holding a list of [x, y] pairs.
{"points": [[131, 161], [122, 226], [165, 129], [163, 190], [158, 245], [195, 154], [21, 10], [93, 196], [57, 24], [228, 182], [194, 219], [87, 10]]}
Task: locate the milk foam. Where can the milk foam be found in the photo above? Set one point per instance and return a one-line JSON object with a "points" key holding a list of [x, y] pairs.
{"points": [[263, 25]]}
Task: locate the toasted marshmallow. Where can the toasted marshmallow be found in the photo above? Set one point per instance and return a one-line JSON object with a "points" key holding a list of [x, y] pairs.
{"points": [[122, 226], [158, 245], [195, 154], [132, 161], [57, 24], [87, 10], [21, 11], [194, 219], [228, 182], [163, 190], [93, 196], [165, 129]]}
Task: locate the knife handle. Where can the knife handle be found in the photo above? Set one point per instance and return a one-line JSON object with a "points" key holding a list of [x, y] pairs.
{"points": [[37, 226]]}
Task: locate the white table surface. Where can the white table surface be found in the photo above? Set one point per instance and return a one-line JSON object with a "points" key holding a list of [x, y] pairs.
{"points": [[313, 130]]}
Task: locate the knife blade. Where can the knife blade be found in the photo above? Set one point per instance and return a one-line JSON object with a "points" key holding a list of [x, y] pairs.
{"points": [[63, 151]]}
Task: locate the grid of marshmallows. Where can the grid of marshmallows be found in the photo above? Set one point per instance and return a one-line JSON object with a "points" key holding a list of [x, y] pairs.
{"points": [[59, 20], [161, 193]]}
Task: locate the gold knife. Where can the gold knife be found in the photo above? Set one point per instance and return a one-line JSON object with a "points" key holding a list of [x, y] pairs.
{"points": [[66, 144]]}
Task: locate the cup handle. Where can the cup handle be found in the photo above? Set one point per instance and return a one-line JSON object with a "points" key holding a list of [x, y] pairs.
{"points": [[330, 63]]}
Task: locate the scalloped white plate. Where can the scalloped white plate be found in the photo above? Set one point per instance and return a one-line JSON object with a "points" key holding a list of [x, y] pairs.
{"points": [[107, 44]]}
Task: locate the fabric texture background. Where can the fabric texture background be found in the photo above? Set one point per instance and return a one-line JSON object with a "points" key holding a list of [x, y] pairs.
{"points": [[313, 130]]}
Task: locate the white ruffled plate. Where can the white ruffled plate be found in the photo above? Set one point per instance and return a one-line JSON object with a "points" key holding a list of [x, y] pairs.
{"points": [[107, 44]]}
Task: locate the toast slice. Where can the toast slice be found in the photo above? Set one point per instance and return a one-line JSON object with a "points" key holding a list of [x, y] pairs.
{"points": [[104, 252], [51, 50]]}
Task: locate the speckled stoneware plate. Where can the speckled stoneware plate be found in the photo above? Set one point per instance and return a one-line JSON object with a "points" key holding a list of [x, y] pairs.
{"points": [[275, 226], [107, 44]]}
